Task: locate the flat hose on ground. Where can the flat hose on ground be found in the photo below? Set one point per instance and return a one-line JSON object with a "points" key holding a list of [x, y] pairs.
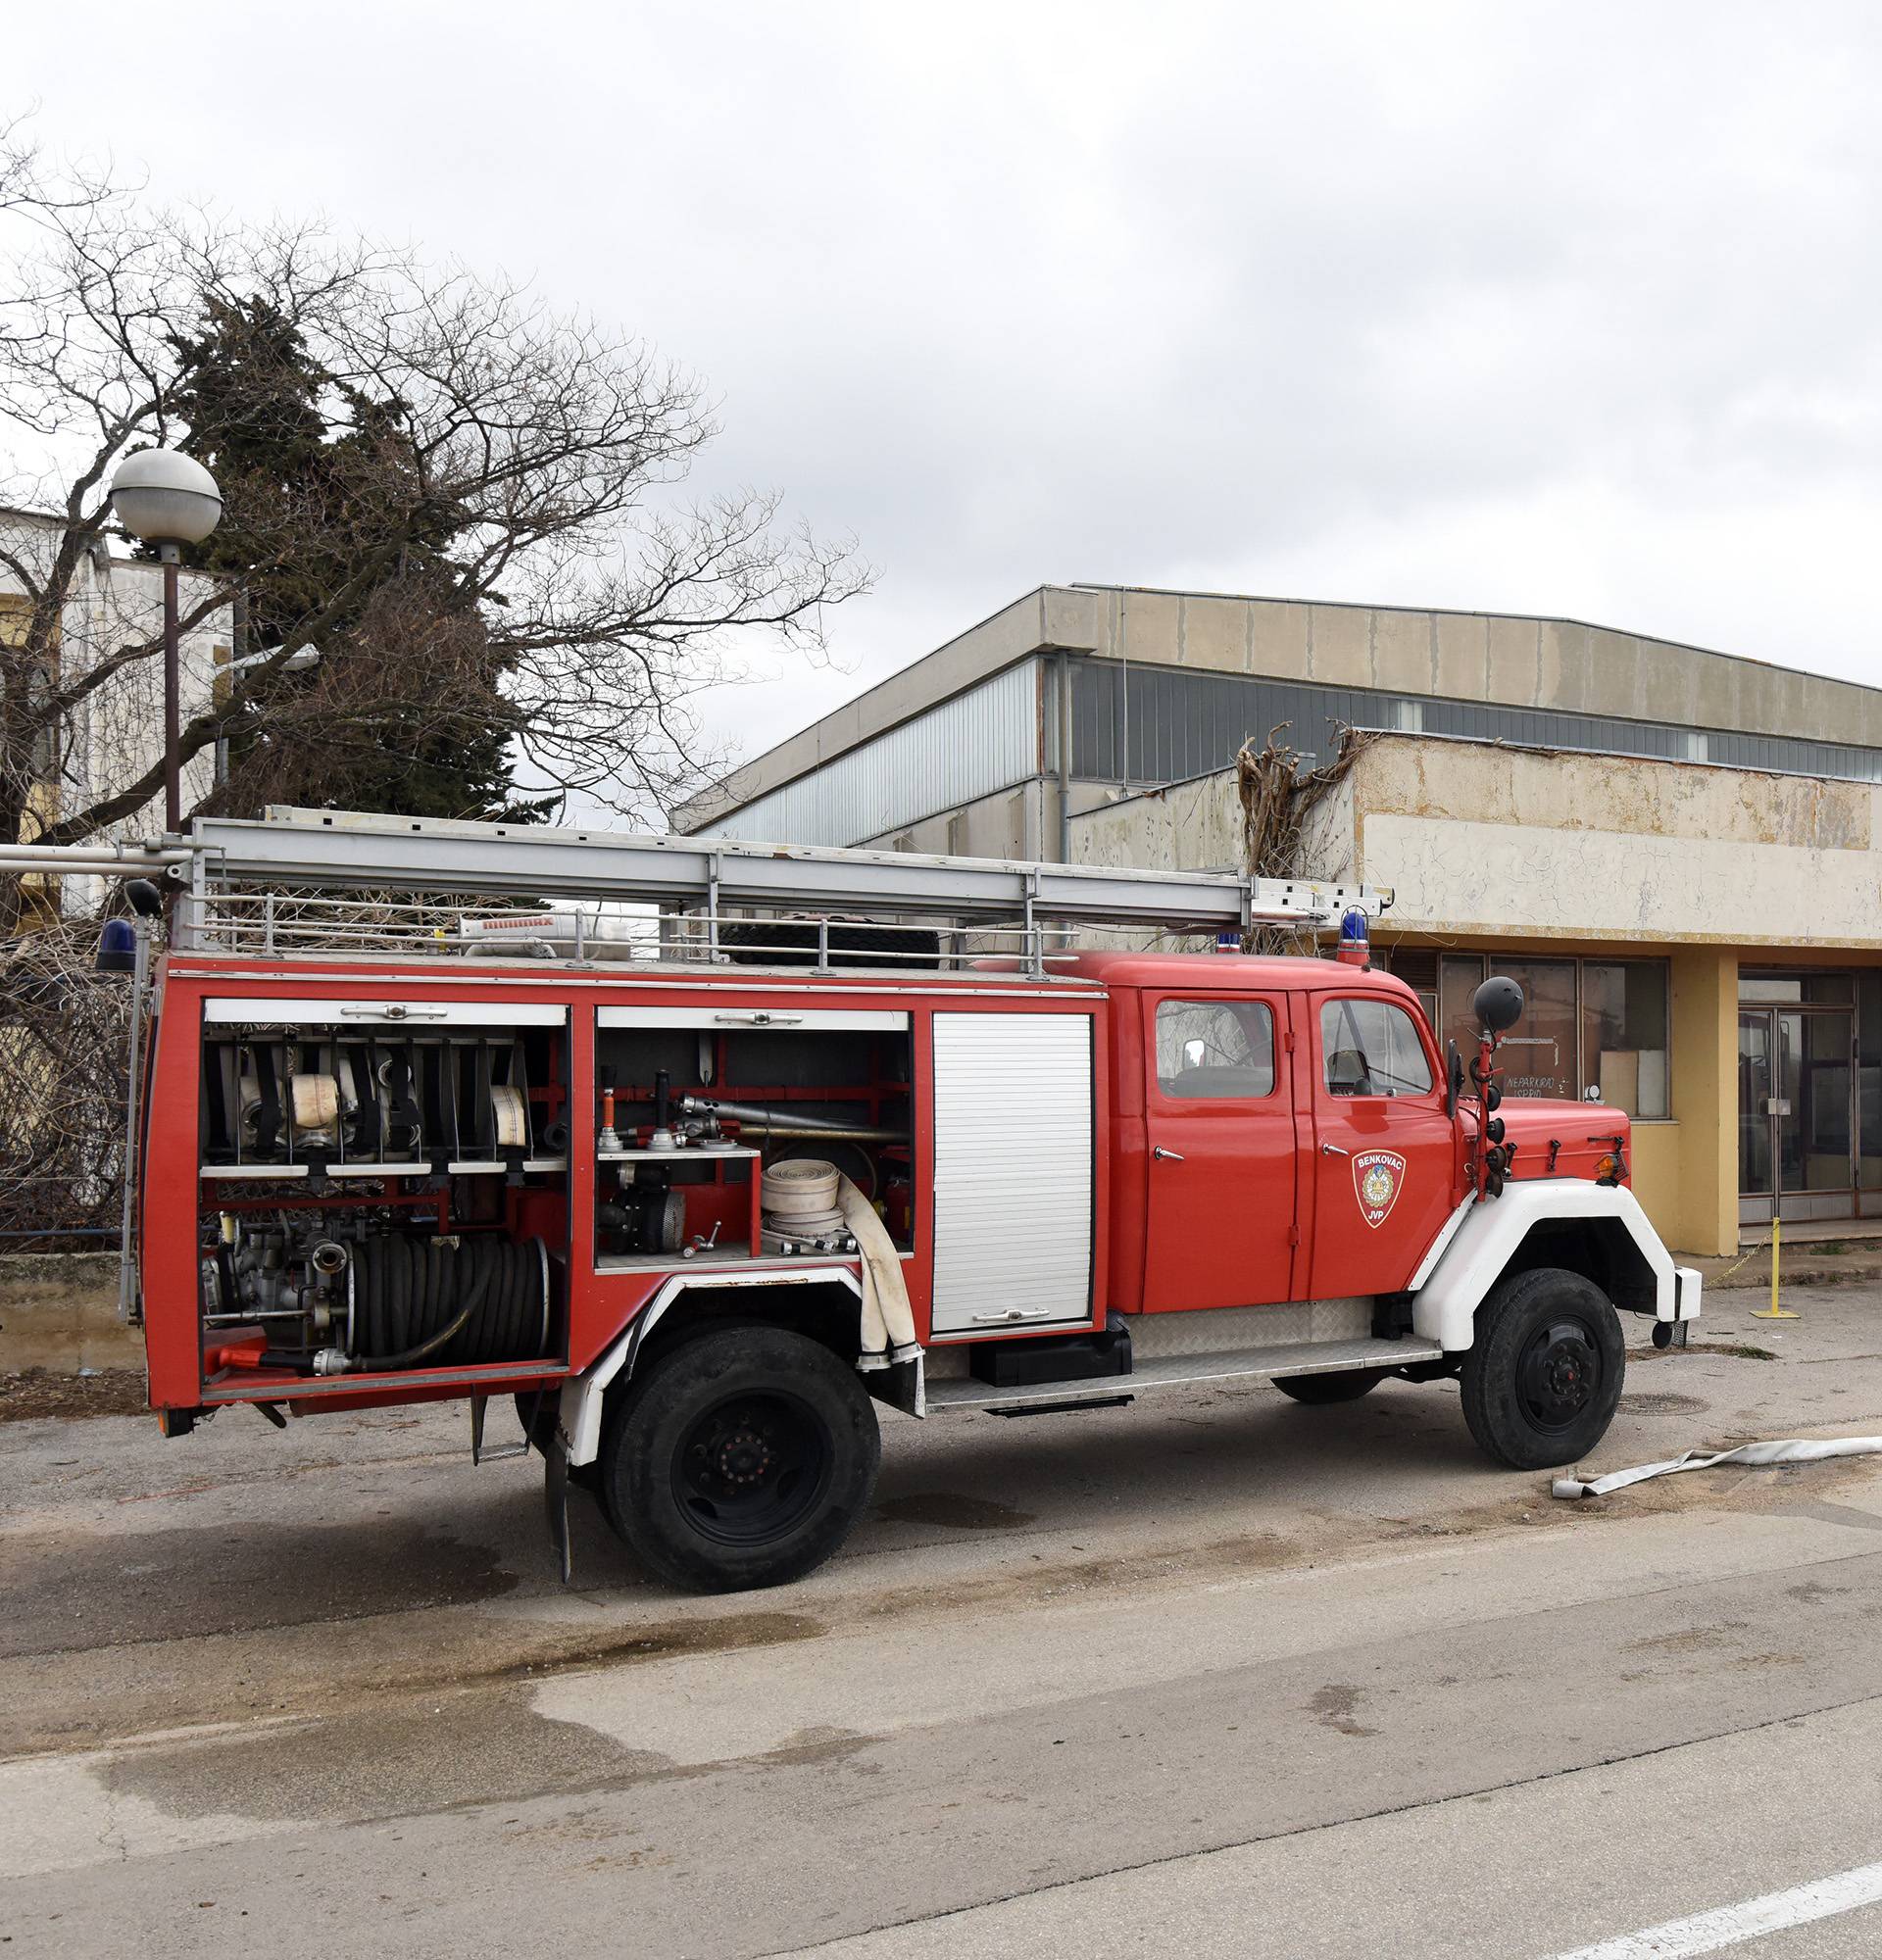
{"points": [[480, 1299], [1792, 1449]]}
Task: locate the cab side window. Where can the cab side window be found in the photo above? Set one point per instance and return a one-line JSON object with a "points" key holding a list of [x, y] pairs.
{"points": [[1371, 1047], [1214, 1049]]}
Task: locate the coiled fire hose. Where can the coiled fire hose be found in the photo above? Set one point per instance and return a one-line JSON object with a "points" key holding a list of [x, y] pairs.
{"points": [[798, 1199], [804, 1197], [479, 1298]]}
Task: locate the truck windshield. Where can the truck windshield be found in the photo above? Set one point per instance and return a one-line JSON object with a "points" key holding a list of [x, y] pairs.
{"points": [[1371, 1047]]}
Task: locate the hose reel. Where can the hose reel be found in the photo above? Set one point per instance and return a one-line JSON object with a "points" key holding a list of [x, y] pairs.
{"points": [[444, 1303], [382, 1300]]}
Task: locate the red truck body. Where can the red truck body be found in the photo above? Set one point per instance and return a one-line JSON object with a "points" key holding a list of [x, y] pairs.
{"points": [[1272, 1147]]}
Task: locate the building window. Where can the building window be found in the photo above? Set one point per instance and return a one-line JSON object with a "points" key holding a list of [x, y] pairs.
{"points": [[1214, 1049], [1371, 1047], [1868, 1078], [1813, 990], [1625, 1034], [1540, 1053], [1417, 968], [1587, 1024]]}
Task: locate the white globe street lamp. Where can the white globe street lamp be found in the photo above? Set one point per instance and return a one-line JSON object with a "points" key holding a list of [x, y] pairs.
{"points": [[169, 501]]}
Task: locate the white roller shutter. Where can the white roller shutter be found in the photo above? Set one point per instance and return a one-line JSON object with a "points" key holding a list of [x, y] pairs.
{"points": [[1013, 1170]]}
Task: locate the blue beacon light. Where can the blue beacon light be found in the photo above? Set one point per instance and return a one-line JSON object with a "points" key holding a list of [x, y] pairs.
{"points": [[1354, 949], [117, 946]]}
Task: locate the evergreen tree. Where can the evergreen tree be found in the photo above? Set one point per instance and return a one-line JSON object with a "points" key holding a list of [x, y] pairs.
{"points": [[324, 513]]}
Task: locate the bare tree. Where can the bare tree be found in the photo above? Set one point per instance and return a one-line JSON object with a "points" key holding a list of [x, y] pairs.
{"points": [[581, 603]]}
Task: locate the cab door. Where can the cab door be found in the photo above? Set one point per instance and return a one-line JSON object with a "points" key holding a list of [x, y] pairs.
{"points": [[1382, 1161], [1220, 1117]]}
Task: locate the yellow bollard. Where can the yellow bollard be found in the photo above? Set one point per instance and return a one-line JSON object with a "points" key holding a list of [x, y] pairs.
{"points": [[1774, 1312]]}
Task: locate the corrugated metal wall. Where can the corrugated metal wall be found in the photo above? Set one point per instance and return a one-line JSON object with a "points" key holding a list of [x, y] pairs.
{"points": [[1184, 722], [984, 739]]}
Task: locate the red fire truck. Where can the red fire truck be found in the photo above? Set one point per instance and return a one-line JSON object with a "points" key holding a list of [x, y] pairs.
{"points": [[817, 1132]]}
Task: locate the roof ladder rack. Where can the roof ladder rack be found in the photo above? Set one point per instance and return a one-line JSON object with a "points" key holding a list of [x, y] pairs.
{"points": [[708, 879], [340, 849]]}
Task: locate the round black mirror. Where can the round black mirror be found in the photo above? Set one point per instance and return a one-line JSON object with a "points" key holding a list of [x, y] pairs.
{"points": [[1496, 1003]]}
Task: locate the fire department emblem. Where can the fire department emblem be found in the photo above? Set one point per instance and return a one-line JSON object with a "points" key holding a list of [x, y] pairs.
{"points": [[1378, 1176]]}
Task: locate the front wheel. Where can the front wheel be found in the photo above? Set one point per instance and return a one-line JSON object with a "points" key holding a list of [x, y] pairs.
{"points": [[739, 1459], [1542, 1382]]}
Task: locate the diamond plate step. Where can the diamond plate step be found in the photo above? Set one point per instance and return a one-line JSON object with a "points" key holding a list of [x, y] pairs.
{"points": [[1176, 1371]]}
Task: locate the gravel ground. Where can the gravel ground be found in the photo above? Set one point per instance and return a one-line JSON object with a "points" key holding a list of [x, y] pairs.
{"points": [[36, 1392]]}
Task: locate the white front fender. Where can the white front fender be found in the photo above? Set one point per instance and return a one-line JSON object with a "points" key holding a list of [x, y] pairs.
{"points": [[1488, 1236]]}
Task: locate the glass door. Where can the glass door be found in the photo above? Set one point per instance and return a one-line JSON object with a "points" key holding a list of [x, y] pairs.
{"points": [[1756, 1115], [1795, 1113]]}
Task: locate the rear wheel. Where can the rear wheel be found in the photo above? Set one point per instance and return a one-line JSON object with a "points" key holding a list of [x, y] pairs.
{"points": [[741, 1458], [1542, 1382], [1348, 1385]]}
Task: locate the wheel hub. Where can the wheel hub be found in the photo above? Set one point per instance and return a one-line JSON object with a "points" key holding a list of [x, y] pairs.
{"points": [[1560, 1373], [748, 1470], [743, 1458]]}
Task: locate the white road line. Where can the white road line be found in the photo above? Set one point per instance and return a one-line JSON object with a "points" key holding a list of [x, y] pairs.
{"points": [[1749, 1919]]}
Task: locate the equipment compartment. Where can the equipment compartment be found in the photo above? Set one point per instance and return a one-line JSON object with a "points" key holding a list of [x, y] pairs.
{"points": [[383, 1188], [694, 1107]]}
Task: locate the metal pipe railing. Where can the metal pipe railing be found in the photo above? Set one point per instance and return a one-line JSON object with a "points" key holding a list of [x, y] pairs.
{"points": [[80, 860]]}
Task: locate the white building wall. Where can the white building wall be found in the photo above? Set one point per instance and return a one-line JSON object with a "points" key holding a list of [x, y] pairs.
{"points": [[984, 739], [116, 733]]}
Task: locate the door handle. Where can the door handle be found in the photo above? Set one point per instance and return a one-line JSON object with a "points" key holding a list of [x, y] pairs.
{"points": [[1334, 1151], [1168, 1157]]}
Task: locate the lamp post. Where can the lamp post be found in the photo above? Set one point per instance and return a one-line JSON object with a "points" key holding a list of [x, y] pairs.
{"points": [[168, 500]]}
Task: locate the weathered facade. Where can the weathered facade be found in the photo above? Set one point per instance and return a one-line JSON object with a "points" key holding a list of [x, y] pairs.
{"points": [[1675, 850]]}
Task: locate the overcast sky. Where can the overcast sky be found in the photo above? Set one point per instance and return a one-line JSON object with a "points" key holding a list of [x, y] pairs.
{"points": [[1557, 309]]}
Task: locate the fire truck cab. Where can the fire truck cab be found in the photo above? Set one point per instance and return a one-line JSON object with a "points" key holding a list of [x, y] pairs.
{"points": [[701, 1218]]}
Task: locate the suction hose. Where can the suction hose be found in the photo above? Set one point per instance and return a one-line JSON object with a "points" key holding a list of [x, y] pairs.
{"points": [[480, 1299]]}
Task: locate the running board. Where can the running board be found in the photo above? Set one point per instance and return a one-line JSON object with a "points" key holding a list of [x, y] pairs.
{"points": [[1176, 1371]]}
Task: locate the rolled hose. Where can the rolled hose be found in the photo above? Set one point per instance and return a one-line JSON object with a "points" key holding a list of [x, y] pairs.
{"points": [[483, 1298]]}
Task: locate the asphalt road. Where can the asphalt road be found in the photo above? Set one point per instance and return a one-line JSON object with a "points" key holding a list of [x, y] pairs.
{"points": [[1215, 1674]]}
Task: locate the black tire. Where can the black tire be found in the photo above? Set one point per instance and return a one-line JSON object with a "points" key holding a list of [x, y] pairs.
{"points": [[1318, 1390], [741, 1458], [1542, 1382]]}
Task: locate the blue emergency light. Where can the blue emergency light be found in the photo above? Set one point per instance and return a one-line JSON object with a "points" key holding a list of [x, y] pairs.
{"points": [[1354, 949], [117, 948]]}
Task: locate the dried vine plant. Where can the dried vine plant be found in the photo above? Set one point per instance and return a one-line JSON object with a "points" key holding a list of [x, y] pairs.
{"points": [[63, 1057], [1277, 796]]}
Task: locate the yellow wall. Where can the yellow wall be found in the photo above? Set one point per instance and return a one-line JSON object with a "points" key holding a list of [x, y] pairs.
{"points": [[1696, 1208], [1655, 1162]]}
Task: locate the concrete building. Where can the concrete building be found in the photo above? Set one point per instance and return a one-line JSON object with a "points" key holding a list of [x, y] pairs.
{"points": [[1677, 852]]}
